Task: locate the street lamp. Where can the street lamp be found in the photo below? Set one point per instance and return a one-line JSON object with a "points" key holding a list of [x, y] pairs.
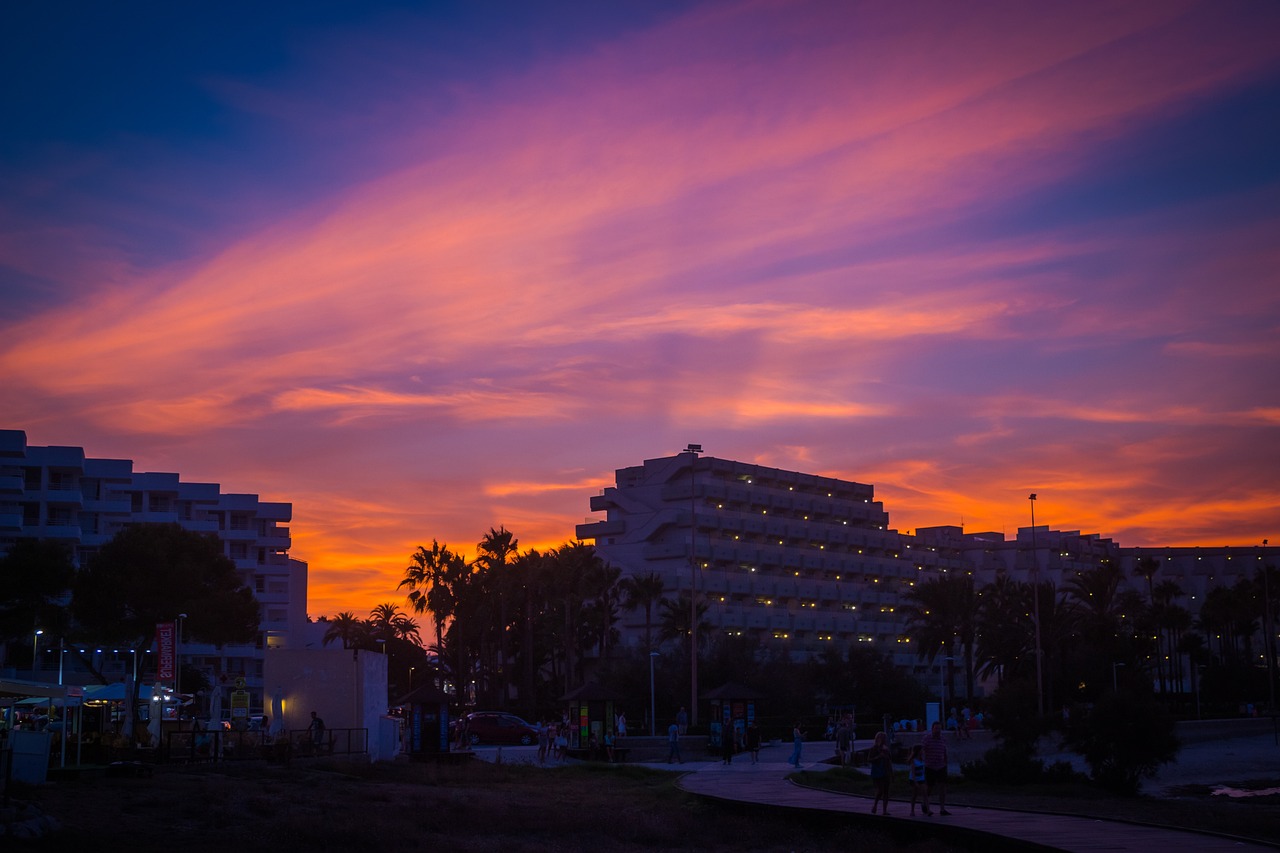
{"points": [[177, 666], [653, 707], [1268, 628], [1115, 686], [942, 690], [411, 669], [1035, 585], [693, 450], [35, 649]]}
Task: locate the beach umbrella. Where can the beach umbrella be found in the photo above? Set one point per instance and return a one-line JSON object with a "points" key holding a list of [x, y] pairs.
{"points": [[157, 711], [215, 707], [277, 712]]}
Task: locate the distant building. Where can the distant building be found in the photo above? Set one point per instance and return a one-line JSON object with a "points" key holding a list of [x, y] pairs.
{"points": [[58, 493], [803, 562]]}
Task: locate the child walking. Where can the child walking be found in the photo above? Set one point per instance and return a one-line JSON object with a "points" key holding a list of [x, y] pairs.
{"points": [[915, 773], [881, 761]]}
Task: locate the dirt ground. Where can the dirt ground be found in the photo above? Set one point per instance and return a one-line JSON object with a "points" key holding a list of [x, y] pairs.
{"points": [[413, 807]]}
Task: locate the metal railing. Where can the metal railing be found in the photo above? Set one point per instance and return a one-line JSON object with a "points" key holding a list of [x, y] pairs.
{"points": [[214, 746]]}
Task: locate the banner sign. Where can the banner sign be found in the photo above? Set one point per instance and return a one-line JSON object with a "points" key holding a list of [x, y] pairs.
{"points": [[166, 639]]}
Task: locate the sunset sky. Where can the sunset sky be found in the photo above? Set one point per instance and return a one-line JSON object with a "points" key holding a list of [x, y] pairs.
{"points": [[421, 269]]}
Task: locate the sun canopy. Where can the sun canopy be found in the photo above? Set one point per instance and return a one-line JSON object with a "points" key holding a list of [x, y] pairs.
{"points": [[17, 687]]}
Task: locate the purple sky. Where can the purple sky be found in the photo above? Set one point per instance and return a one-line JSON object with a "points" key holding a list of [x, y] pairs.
{"points": [[424, 269]]}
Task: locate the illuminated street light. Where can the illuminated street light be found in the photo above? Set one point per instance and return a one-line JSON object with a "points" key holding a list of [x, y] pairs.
{"points": [[1035, 583], [653, 707], [693, 450], [35, 649]]}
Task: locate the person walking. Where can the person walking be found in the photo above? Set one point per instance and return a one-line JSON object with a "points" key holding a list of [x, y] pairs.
{"points": [[316, 727], [544, 740], [935, 767], [673, 743], [881, 761], [797, 739], [915, 775], [753, 741], [844, 742]]}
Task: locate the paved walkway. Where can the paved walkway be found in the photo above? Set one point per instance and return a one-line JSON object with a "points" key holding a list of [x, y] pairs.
{"points": [[766, 783]]}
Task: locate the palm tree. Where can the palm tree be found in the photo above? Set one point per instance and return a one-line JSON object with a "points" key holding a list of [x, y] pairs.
{"points": [[348, 628], [676, 622], [1106, 613], [389, 624], [493, 562], [942, 612], [644, 591], [1005, 635], [423, 576]]}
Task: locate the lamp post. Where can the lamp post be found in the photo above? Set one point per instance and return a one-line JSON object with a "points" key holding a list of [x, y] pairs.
{"points": [[653, 707], [1115, 685], [177, 666], [942, 690], [1035, 597], [411, 669], [1268, 628], [35, 649], [693, 450]]}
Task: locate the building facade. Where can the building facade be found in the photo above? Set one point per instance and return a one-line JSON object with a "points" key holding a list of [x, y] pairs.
{"points": [[58, 493], [803, 562]]}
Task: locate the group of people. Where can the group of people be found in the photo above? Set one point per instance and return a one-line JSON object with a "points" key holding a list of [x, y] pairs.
{"points": [[554, 739], [926, 770]]}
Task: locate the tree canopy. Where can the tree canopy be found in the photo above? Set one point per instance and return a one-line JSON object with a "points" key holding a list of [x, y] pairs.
{"points": [[34, 578], [150, 573]]}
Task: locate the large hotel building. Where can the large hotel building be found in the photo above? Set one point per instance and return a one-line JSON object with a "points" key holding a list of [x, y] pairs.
{"points": [[58, 493], [802, 561]]}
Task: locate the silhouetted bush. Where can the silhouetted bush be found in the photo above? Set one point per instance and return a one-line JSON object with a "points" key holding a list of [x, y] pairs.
{"points": [[1124, 738], [1004, 765]]}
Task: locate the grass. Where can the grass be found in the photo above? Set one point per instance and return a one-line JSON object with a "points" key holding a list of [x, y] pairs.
{"points": [[1193, 807], [398, 807]]}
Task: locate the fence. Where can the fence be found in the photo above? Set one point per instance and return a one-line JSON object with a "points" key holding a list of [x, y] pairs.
{"points": [[197, 746]]}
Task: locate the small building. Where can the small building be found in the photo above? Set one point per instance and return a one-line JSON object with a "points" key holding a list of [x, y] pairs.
{"points": [[733, 708], [592, 711], [426, 723]]}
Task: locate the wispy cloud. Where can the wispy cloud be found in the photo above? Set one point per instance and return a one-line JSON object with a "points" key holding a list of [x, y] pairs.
{"points": [[845, 238]]}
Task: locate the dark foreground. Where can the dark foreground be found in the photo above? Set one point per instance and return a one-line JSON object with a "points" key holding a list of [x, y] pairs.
{"points": [[416, 807]]}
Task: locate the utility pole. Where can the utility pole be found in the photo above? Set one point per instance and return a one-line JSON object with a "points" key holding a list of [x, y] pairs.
{"points": [[1035, 583], [693, 450]]}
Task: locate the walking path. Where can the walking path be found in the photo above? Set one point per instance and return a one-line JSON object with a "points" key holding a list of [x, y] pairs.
{"points": [[766, 783]]}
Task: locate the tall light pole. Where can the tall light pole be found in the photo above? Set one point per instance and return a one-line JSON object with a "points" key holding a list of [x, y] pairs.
{"points": [[1268, 627], [177, 666], [1035, 597], [942, 690], [1115, 684], [693, 450], [35, 649], [653, 705]]}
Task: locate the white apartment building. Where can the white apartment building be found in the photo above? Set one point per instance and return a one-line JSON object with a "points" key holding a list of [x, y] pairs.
{"points": [[803, 561], [59, 493]]}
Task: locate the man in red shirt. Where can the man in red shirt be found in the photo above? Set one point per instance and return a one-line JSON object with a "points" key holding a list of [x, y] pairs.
{"points": [[935, 767]]}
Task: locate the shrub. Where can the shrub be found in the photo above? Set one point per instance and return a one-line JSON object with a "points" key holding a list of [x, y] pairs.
{"points": [[1124, 738], [1004, 765]]}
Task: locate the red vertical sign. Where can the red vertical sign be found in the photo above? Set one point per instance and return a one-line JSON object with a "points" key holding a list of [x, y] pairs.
{"points": [[166, 639]]}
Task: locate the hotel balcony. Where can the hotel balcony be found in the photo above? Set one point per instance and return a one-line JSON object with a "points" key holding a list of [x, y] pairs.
{"points": [[600, 529], [165, 517]]}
